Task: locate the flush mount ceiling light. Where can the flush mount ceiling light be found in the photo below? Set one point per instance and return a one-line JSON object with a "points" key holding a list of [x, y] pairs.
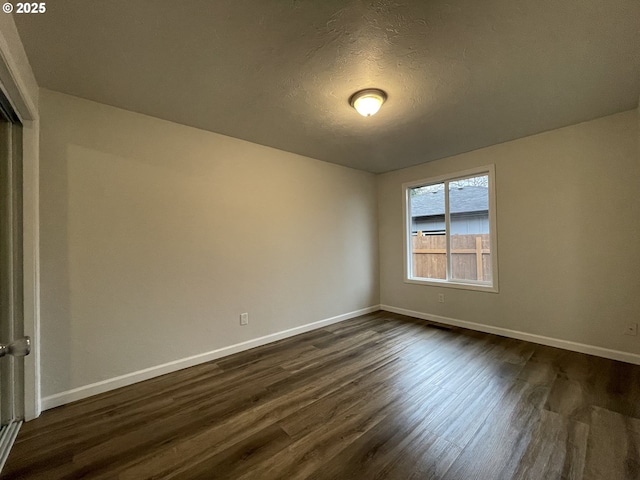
{"points": [[368, 102]]}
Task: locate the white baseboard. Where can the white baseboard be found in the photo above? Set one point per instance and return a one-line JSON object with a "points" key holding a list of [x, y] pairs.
{"points": [[134, 377], [529, 337]]}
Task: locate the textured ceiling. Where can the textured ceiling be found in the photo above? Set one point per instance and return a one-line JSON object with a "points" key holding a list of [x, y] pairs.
{"points": [[460, 74]]}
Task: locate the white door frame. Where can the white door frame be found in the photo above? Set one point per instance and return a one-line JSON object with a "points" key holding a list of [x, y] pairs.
{"points": [[19, 86]]}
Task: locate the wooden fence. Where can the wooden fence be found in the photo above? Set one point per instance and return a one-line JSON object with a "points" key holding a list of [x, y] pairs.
{"points": [[470, 257]]}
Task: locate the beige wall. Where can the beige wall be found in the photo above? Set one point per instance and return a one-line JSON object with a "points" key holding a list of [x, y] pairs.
{"points": [[156, 236], [568, 212]]}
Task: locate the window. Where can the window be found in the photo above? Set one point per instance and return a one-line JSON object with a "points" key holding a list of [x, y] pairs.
{"points": [[450, 230]]}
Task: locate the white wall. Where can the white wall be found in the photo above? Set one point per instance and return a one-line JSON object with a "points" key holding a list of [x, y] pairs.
{"points": [[568, 211], [156, 236]]}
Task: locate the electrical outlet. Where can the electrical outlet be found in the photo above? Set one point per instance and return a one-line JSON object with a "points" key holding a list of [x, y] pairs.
{"points": [[244, 319], [631, 329], [441, 297]]}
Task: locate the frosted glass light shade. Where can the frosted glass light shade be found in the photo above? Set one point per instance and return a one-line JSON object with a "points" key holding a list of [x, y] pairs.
{"points": [[368, 102]]}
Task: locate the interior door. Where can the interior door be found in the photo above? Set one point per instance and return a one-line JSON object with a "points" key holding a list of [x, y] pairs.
{"points": [[13, 344]]}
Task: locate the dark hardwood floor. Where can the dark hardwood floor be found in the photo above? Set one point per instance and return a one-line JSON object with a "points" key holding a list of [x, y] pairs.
{"points": [[378, 397]]}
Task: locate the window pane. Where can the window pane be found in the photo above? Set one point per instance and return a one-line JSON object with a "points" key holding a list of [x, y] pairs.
{"points": [[428, 240], [469, 229]]}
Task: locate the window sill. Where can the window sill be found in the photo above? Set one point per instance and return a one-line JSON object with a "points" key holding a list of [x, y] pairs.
{"points": [[461, 286]]}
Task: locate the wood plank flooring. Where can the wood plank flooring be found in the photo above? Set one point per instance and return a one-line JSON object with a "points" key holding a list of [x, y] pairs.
{"points": [[380, 396]]}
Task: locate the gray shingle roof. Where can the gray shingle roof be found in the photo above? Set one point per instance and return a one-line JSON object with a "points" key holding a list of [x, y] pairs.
{"points": [[467, 199]]}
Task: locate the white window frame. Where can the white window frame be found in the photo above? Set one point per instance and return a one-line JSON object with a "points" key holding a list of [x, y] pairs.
{"points": [[493, 231]]}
